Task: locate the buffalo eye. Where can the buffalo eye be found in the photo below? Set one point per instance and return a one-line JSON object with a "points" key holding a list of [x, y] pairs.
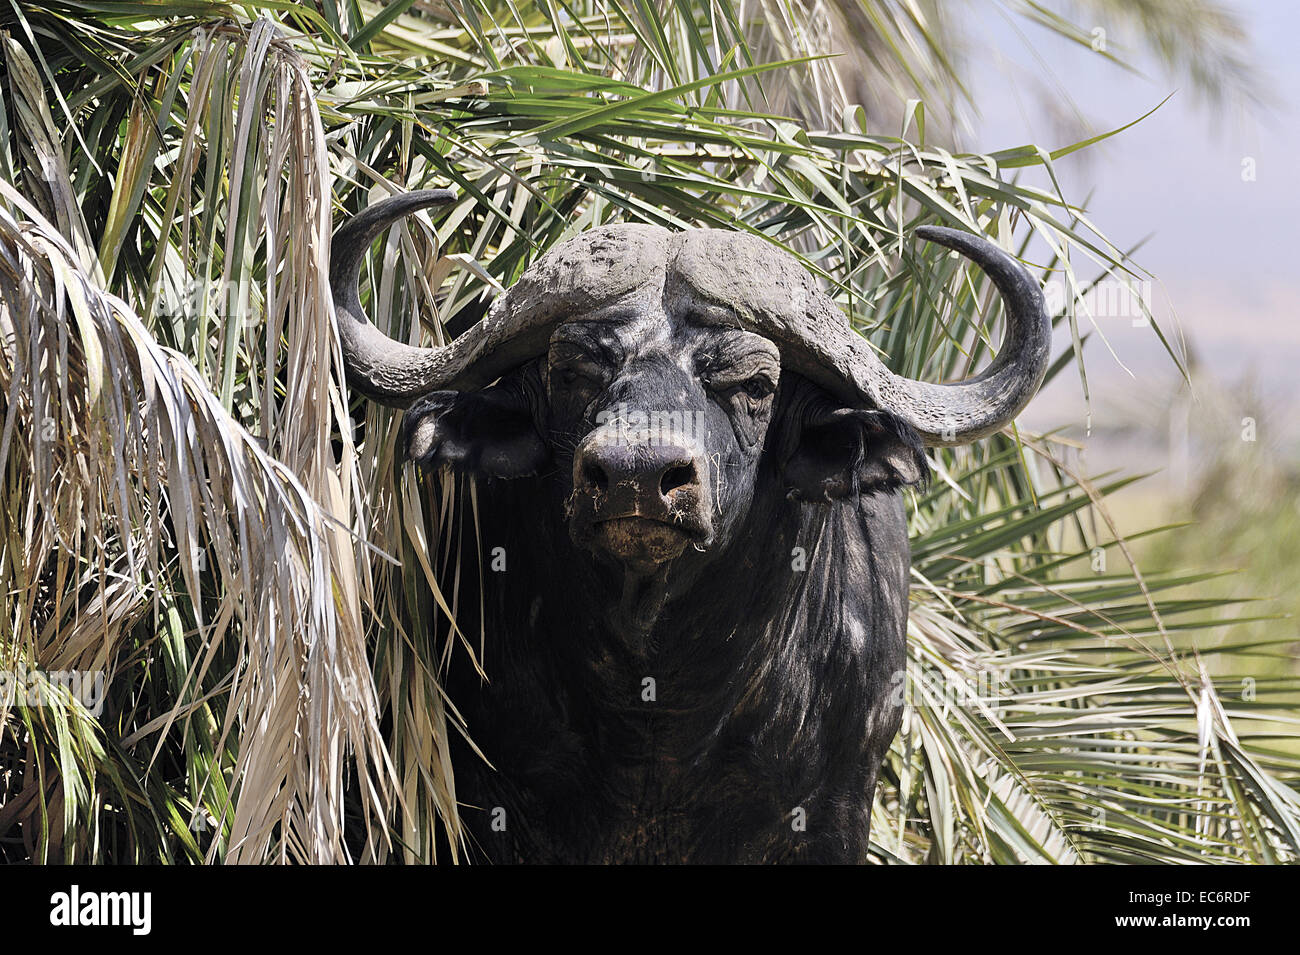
{"points": [[747, 404], [572, 368], [754, 388], [574, 377]]}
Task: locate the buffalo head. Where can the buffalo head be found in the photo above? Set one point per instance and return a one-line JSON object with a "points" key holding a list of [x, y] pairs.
{"points": [[654, 369]]}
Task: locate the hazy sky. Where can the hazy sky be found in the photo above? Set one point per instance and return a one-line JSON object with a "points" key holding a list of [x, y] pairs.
{"points": [[1223, 249]]}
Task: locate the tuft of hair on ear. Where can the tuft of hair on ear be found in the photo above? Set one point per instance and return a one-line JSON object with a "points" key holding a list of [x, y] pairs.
{"points": [[905, 464], [846, 452], [489, 432], [419, 436]]}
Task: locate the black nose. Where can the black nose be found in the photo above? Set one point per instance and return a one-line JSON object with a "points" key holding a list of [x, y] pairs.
{"points": [[644, 478]]}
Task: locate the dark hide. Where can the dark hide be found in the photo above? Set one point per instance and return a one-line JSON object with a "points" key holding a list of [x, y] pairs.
{"points": [[777, 684]]}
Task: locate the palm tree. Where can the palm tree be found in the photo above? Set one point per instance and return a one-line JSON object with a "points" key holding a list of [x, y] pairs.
{"points": [[195, 507]]}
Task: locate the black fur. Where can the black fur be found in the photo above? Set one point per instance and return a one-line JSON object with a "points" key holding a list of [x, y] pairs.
{"points": [[776, 681]]}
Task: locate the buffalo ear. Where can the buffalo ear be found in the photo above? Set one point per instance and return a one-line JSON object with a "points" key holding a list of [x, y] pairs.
{"points": [[844, 452], [489, 432]]}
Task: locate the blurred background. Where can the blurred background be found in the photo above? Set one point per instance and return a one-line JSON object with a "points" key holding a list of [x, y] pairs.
{"points": [[1205, 189]]}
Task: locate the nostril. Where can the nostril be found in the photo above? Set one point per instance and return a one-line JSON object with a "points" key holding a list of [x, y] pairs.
{"points": [[593, 475], [677, 477]]}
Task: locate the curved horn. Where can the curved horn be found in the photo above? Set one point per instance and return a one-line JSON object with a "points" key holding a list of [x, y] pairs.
{"points": [[379, 367], [764, 290], [574, 278], [965, 411], [748, 281]]}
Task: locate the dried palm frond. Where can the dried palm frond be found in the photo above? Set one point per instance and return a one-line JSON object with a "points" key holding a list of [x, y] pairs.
{"points": [[127, 482]]}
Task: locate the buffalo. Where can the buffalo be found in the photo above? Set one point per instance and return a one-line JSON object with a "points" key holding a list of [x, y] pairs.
{"points": [[692, 467]]}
